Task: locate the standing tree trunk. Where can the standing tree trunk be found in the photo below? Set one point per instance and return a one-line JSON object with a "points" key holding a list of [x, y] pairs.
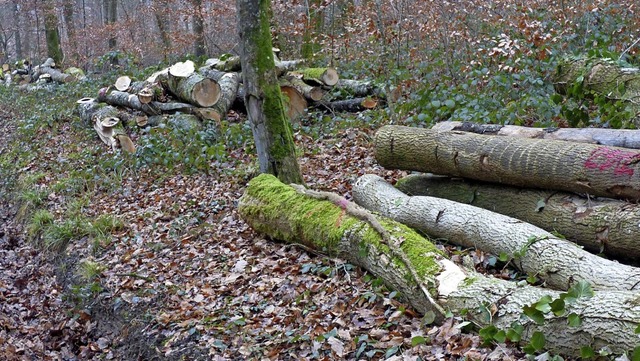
{"points": [[198, 29], [67, 11], [16, 32], [160, 12], [52, 34], [310, 44], [271, 129], [111, 16]]}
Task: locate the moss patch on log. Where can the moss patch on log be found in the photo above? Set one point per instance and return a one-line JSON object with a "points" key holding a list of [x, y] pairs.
{"points": [[322, 225]]}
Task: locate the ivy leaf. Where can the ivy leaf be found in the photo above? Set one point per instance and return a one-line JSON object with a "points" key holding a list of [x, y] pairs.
{"points": [[537, 341], [573, 320], [500, 336], [635, 355], [582, 289], [637, 330], [586, 352], [534, 314], [503, 257], [418, 340], [558, 307], [513, 335], [543, 304], [450, 103]]}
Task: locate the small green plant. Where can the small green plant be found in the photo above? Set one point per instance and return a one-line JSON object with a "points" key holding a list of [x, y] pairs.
{"points": [[40, 220], [57, 236], [90, 271]]}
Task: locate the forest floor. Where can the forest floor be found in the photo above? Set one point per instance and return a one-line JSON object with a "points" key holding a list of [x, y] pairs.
{"points": [[181, 276]]}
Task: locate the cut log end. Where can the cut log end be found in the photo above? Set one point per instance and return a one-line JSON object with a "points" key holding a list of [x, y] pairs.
{"points": [[330, 77], [182, 69], [206, 93], [123, 83], [145, 96], [296, 104]]}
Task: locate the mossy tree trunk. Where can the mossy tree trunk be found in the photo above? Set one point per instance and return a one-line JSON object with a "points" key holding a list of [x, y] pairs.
{"points": [[52, 33], [272, 130], [608, 318]]}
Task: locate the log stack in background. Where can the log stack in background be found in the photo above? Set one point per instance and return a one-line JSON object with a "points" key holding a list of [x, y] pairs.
{"points": [[187, 98]]}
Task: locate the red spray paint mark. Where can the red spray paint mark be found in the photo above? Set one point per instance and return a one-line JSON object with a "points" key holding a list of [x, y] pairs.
{"points": [[607, 158]]}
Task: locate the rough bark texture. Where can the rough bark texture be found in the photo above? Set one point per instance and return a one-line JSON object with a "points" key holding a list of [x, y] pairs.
{"points": [[534, 163], [229, 83], [349, 105], [272, 131], [625, 138], [360, 88], [600, 225], [200, 46], [310, 92], [608, 319], [177, 121], [535, 251]]}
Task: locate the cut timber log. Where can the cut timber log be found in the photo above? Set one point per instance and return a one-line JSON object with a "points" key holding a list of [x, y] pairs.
{"points": [[349, 105], [186, 122], [194, 89], [360, 88], [322, 76], [110, 130], [226, 63], [625, 138], [600, 225], [146, 92], [295, 102], [283, 66], [123, 83], [531, 163], [124, 99], [328, 226], [86, 108], [56, 75], [557, 262], [229, 83], [310, 92]]}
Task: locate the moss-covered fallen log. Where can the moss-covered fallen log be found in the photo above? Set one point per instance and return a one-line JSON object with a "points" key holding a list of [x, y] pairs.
{"points": [[531, 163], [557, 262], [608, 318], [625, 138], [600, 225]]}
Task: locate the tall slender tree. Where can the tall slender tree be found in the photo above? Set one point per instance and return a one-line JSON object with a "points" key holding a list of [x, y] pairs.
{"points": [[67, 10], [110, 18], [198, 28], [16, 30], [271, 128]]}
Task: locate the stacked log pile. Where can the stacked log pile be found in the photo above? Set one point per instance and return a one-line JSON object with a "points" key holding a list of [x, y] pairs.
{"points": [[27, 76], [189, 98]]}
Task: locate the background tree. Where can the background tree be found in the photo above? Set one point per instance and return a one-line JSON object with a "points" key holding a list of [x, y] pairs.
{"points": [[272, 131], [67, 11], [52, 32], [110, 18], [198, 29]]}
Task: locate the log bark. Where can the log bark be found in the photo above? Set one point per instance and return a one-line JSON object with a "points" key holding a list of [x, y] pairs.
{"points": [[353, 105], [226, 63], [56, 75], [322, 76], [625, 138], [229, 83], [124, 99], [360, 88], [532, 163], [600, 225], [186, 122], [110, 130], [557, 262], [323, 226]]}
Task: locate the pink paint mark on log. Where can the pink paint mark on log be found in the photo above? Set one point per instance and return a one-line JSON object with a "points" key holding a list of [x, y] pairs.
{"points": [[606, 158]]}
